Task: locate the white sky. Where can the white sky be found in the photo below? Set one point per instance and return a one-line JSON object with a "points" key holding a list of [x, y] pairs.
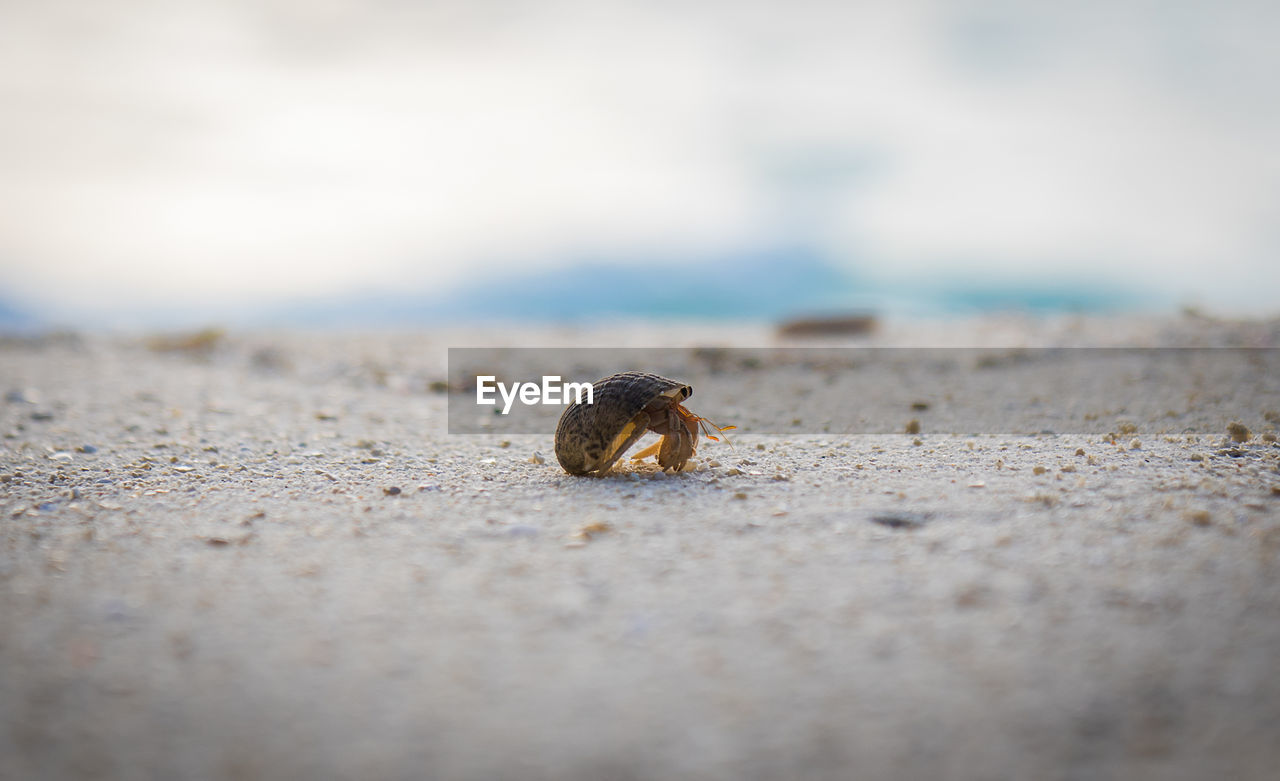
{"points": [[199, 153]]}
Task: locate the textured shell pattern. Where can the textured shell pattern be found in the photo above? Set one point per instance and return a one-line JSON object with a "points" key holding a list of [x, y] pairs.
{"points": [[587, 436]]}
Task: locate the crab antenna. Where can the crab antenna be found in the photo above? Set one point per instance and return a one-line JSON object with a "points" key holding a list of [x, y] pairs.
{"points": [[707, 425]]}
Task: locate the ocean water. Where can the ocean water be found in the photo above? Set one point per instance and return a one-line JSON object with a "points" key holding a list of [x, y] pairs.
{"points": [[766, 285]]}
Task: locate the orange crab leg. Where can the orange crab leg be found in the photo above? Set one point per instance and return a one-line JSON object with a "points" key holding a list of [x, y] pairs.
{"points": [[697, 421], [650, 450]]}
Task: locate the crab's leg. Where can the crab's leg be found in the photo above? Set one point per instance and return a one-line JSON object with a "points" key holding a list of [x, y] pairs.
{"points": [[666, 451], [678, 444], [669, 452], [650, 450], [688, 445]]}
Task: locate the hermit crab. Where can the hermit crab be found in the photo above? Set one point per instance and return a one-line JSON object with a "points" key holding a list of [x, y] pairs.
{"points": [[592, 437]]}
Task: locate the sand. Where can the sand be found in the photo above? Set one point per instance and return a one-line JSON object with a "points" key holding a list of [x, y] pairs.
{"points": [[260, 555]]}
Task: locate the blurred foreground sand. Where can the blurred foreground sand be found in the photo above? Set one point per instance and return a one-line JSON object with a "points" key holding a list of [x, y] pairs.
{"points": [[260, 556]]}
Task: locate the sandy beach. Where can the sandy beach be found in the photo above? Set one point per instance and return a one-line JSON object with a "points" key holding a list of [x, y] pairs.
{"points": [[262, 555]]}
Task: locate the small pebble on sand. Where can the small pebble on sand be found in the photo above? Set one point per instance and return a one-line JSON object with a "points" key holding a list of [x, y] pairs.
{"points": [[900, 520], [1199, 517]]}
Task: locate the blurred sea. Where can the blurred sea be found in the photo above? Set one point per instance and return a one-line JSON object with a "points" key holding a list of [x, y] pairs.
{"points": [[765, 285]]}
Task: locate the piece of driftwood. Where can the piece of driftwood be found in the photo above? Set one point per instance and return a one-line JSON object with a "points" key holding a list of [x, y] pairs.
{"points": [[835, 325]]}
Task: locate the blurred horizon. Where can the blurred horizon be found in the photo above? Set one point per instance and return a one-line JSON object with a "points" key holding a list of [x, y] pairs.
{"points": [[768, 286], [289, 162]]}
